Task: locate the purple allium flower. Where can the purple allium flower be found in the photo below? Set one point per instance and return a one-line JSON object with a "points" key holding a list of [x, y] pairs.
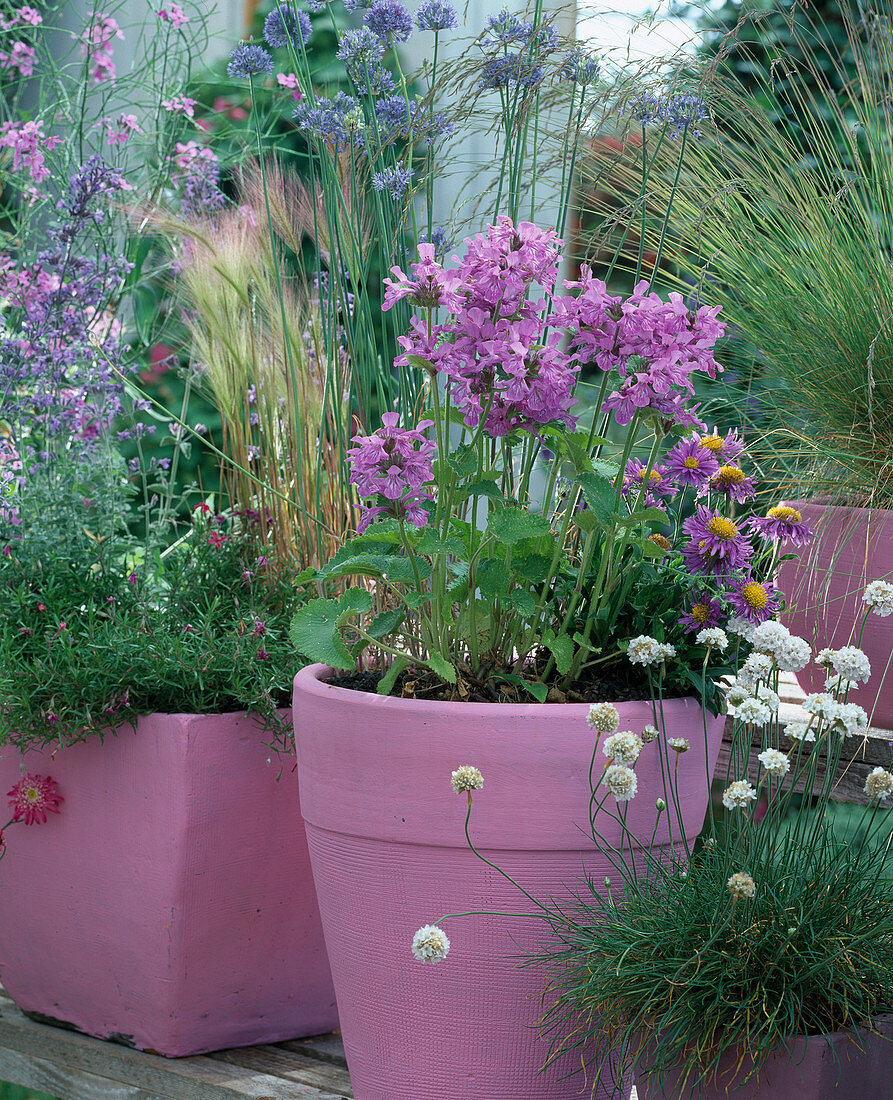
{"points": [[704, 611], [395, 180], [646, 109], [506, 29], [513, 68], [331, 120], [658, 483], [248, 60], [754, 600], [436, 15], [691, 464], [783, 524], [733, 481], [682, 111], [432, 286], [718, 544], [579, 67], [390, 21], [361, 51], [286, 24]]}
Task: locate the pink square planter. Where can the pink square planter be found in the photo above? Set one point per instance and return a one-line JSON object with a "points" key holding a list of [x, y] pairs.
{"points": [[170, 904]]}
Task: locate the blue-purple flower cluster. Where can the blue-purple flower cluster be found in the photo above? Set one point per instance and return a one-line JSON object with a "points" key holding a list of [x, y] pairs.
{"points": [[679, 113]]}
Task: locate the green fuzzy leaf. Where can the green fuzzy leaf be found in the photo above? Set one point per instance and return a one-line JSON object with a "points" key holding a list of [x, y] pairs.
{"points": [[493, 579], [430, 544], [651, 549], [586, 521], [512, 524], [422, 364], [393, 566], [522, 601], [315, 633], [385, 623], [463, 460], [602, 468], [561, 648], [484, 488], [533, 568], [441, 667], [598, 493], [386, 683]]}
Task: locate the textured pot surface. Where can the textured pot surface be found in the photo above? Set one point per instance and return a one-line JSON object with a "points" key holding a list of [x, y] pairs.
{"points": [[845, 1066], [386, 836], [824, 595], [170, 904]]}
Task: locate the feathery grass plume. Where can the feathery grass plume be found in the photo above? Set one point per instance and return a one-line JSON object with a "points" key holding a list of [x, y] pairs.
{"points": [[258, 345]]}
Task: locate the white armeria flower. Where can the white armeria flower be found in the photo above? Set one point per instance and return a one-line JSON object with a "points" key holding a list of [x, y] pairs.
{"points": [[737, 795], [879, 784], [741, 626], [430, 944], [775, 762], [753, 712], [879, 597], [649, 734], [621, 782], [467, 778], [713, 637], [849, 718], [766, 695], [851, 663], [666, 651], [603, 717], [825, 658], [768, 636], [623, 748], [758, 666], [737, 692], [800, 731], [644, 650], [822, 705], [678, 744], [793, 654], [741, 885]]}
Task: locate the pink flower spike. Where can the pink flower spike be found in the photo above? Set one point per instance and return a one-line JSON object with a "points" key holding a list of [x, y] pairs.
{"points": [[33, 797], [432, 287], [174, 15]]}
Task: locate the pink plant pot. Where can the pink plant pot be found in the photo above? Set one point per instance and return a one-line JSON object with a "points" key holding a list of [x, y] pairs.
{"points": [[387, 844], [824, 595], [170, 904], [842, 1066]]}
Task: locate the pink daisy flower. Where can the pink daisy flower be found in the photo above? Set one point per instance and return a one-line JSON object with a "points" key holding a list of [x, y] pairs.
{"points": [[33, 797]]}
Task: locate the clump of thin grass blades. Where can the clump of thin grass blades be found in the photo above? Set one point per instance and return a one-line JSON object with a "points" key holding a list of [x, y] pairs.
{"points": [[687, 973]]}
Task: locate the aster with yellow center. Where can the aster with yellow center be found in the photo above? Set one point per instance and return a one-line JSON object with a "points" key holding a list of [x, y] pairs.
{"points": [[733, 482], [704, 611], [783, 524], [754, 600], [717, 545], [33, 797], [691, 464], [724, 448]]}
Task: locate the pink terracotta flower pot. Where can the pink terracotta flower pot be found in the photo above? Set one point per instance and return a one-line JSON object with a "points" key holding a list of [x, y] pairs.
{"points": [[170, 903], [842, 1066], [824, 595], [387, 844]]}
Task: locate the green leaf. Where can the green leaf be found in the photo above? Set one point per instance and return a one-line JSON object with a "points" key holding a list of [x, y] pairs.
{"points": [[603, 468], [651, 549], [315, 633], [463, 460], [598, 493], [522, 601], [441, 667], [394, 567], [534, 568], [512, 524], [492, 579], [431, 544], [480, 489], [586, 521], [422, 364], [537, 690], [385, 623], [561, 648], [386, 683]]}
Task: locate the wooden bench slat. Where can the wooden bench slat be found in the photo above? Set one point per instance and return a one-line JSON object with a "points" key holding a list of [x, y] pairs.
{"points": [[289, 1065], [62, 1081]]}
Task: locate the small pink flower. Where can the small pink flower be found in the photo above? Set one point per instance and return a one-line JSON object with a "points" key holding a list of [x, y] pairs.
{"points": [[289, 80], [33, 797], [174, 15], [260, 628], [216, 540], [21, 57], [181, 105], [262, 655]]}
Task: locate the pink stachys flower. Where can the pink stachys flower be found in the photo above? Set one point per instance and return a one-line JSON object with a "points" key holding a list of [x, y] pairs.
{"points": [[754, 600], [28, 143], [783, 524], [658, 484], [734, 483], [718, 544], [96, 46], [174, 15], [20, 57], [501, 265], [33, 797], [691, 464], [431, 288], [704, 611], [394, 463]]}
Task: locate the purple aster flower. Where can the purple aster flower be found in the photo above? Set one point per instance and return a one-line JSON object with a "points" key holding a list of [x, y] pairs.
{"points": [[732, 481], [395, 180], [390, 21], [248, 60], [704, 611], [718, 544], [285, 25], [725, 448], [691, 464], [658, 484], [436, 15], [783, 524], [754, 600], [579, 67]]}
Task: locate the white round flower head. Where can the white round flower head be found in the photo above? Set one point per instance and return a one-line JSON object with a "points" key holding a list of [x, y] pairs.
{"points": [[753, 712], [737, 693], [741, 626], [603, 717], [768, 636], [799, 731], [621, 782], [623, 748], [737, 795], [678, 744], [649, 734], [825, 658], [758, 666], [839, 685], [821, 704], [666, 651], [849, 718], [741, 885], [644, 650], [775, 762], [793, 654], [851, 663], [879, 783], [430, 944], [713, 637], [467, 778], [879, 597], [768, 696]]}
